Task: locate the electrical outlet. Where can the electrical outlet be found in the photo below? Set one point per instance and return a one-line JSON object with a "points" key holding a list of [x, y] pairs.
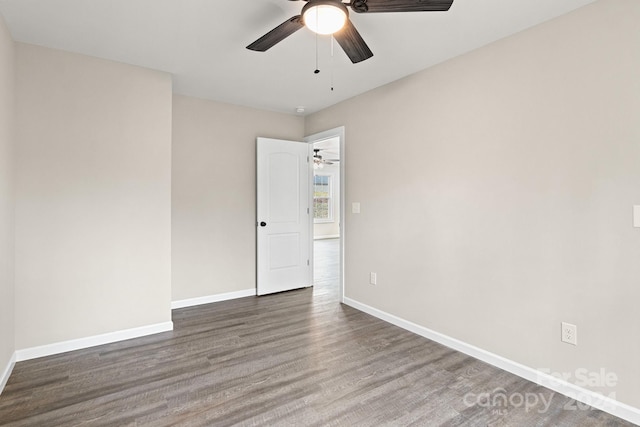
{"points": [[373, 278], [569, 333]]}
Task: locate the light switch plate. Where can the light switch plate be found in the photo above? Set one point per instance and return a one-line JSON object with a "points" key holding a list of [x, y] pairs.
{"points": [[636, 216], [355, 207]]}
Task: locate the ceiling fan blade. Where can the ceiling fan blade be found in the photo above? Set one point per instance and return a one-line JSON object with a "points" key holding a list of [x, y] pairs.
{"points": [[373, 6], [352, 43], [278, 34]]}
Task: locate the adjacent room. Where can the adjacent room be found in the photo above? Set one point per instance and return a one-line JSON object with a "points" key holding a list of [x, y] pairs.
{"points": [[441, 225]]}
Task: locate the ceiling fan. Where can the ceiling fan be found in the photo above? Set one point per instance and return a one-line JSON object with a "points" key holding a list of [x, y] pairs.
{"points": [[319, 161], [332, 17]]}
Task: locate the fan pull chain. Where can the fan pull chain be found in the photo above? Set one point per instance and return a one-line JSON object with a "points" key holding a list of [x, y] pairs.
{"points": [[317, 70], [332, 40]]}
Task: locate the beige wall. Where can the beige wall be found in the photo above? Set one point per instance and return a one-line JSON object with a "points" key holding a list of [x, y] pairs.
{"points": [[510, 177], [93, 196], [7, 341], [214, 205]]}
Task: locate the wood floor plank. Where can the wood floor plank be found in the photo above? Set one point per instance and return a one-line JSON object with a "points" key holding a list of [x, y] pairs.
{"points": [[297, 358]]}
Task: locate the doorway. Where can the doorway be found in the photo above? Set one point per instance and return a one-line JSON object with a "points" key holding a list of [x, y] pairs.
{"points": [[327, 150]]}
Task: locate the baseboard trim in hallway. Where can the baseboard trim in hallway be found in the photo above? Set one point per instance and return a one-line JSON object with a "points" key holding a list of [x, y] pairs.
{"points": [[190, 302], [331, 236], [591, 398], [92, 341]]}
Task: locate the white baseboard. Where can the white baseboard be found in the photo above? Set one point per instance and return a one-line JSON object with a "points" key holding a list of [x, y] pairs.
{"points": [[80, 343], [564, 387], [7, 372], [212, 298], [331, 236]]}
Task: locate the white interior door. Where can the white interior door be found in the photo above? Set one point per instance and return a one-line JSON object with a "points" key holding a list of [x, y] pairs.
{"points": [[284, 221]]}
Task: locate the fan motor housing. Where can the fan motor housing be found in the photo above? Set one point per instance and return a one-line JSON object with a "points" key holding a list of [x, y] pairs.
{"points": [[335, 3]]}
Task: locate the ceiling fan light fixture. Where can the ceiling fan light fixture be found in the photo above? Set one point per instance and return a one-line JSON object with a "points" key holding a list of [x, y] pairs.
{"points": [[324, 16]]}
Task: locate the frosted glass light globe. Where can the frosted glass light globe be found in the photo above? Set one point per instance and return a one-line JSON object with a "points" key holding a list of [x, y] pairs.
{"points": [[324, 18]]}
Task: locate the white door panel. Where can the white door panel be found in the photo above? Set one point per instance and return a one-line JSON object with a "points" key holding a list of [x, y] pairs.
{"points": [[283, 191]]}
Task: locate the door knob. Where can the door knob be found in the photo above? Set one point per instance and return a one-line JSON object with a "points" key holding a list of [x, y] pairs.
{"points": [[263, 224]]}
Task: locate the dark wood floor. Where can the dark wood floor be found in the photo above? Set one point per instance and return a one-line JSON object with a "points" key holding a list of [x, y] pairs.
{"points": [[298, 358]]}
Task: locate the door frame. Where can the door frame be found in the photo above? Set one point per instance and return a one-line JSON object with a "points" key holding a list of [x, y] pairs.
{"points": [[339, 133]]}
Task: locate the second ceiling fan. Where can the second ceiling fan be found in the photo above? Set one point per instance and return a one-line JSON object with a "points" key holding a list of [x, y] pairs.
{"points": [[332, 17]]}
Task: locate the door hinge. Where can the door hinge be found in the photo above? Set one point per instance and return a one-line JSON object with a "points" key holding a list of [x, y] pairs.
{"points": [[307, 211], [307, 159], [307, 262]]}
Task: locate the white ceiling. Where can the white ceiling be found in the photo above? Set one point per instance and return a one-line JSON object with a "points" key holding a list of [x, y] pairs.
{"points": [[202, 43]]}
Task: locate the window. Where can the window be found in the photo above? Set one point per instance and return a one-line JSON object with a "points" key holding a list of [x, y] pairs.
{"points": [[322, 203]]}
